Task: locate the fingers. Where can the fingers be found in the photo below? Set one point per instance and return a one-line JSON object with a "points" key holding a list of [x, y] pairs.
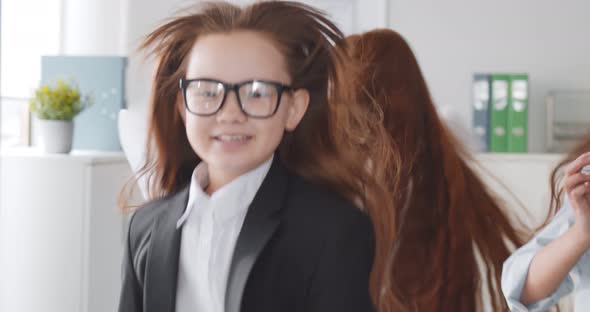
{"points": [[580, 192], [578, 164], [575, 180]]}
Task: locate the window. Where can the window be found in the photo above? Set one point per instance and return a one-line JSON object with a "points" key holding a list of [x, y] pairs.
{"points": [[29, 29]]}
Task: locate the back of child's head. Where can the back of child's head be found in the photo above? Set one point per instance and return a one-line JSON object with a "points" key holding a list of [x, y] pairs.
{"points": [[442, 205]]}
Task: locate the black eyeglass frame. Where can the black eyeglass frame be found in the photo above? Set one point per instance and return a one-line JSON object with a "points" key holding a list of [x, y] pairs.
{"points": [[227, 87]]}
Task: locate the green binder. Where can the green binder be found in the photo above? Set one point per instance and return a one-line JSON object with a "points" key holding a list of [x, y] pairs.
{"points": [[518, 113], [500, 92]]}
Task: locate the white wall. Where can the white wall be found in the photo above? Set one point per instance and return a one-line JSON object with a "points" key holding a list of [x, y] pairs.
{"points": [[94, 27], [142, 17], [454, 38]]}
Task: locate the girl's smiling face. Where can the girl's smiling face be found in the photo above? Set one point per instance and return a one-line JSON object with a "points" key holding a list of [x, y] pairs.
{"points": [[230, 142]]}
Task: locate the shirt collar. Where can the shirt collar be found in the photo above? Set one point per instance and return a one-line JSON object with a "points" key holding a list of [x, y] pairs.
{"points": [[228, 201]]}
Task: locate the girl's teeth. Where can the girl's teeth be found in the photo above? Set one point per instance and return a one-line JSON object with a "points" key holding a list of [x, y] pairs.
{"points": [[232, 137]]}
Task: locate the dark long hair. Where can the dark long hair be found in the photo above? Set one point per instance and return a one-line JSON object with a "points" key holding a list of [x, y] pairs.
{"points": [[452, 233], [323, 148]]}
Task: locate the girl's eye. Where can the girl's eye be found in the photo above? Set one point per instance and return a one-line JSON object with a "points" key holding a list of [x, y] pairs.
{"points": [[255, 94], [259, 91], [206, 93]]}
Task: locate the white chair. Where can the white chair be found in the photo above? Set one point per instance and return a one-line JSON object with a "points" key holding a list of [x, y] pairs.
{"points": [[132, 135]]}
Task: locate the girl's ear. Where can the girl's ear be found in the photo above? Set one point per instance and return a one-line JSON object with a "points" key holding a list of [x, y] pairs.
{"points": [[297, 108], [180, 107]]}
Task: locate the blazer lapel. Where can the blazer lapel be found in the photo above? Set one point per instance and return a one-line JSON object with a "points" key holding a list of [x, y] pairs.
{"points": [[162, 262], [259, 225]]}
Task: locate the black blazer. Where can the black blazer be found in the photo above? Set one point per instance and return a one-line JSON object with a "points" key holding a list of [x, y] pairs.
{"points": [[301, 248]]}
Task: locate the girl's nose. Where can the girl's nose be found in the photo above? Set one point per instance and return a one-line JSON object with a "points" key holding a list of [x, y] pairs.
{"points": [[231, 111]]}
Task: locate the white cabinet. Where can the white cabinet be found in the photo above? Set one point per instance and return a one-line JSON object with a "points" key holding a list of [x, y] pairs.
{"points": [[60, 231], [524, 176]]}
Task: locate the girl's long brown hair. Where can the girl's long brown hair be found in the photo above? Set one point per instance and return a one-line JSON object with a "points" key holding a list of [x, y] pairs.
{"points": [[452, 233], [323, 148], [557, 175]]}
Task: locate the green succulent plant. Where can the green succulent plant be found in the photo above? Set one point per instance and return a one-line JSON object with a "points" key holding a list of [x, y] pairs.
{"points": [[62, 102]]}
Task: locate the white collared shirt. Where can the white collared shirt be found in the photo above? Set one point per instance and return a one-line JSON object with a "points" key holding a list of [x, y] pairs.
{"points": [[210, 228]]}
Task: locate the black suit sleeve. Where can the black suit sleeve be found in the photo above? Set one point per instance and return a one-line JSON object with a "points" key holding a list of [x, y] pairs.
{"points": [[341, 279], [131, 292]]}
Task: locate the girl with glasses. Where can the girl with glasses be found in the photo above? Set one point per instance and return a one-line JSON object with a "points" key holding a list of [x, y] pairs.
{"points": [[251, 187]]}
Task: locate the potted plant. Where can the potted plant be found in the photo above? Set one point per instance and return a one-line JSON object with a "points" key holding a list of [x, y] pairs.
{"points": [[55, 109]]}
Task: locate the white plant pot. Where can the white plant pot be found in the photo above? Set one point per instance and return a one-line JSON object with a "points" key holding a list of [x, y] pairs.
{"points": [[55, 136]]}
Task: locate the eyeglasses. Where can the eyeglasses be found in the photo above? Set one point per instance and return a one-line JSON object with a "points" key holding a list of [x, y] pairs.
{"points": [[257, 98]]}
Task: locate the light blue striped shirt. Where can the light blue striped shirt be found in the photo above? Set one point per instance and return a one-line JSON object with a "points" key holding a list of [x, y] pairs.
{"points": [[516, 268]]}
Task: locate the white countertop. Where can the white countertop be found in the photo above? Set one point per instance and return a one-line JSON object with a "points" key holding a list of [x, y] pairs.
{"points": [[520, 156], [87, 156]]}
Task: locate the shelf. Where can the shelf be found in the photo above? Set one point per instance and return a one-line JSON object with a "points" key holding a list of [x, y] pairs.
{"points": [[519, 157], [85, 156]]}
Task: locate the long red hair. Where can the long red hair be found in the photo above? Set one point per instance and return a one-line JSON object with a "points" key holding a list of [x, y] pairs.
{"points": [[325, 146], [452, 233]]}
